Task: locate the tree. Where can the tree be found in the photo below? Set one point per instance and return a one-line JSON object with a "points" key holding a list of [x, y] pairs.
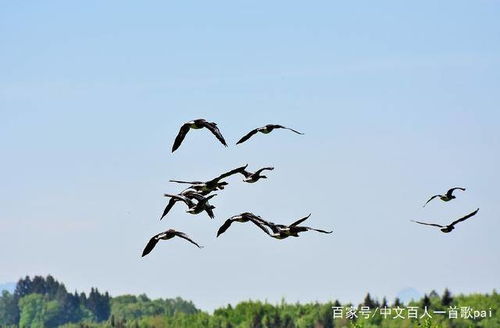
{"points": [[368, 301], [9, 312], [447, 298]]}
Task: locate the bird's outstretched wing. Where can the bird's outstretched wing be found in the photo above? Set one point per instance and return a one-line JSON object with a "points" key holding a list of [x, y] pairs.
{"points": [[210, 211], [170, 204], [429, 224], [150, 245], [188, 182], [184, 199], [277, 126], [319, 230], [258, 222], [296, 223], [180, 136], [449, 193], [264, 169], [184, 236], [431, 199], [224, 227], [465, 217], [215, 131], [229, 173], [247, 136]]}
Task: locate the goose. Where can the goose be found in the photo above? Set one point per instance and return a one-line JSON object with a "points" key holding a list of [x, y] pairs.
{"points": [[188, 193], [243, 217], [265, 129], [446, 197], [254, 177], [169, 234], [280, 231], [451, 226], [193, 208], [197, 124], [211, 185]]}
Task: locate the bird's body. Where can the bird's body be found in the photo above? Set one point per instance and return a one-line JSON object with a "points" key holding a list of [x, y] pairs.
{"points": [[169, 234], [446, 197], [211, 185], [255, 176], [280, 231], [265, 130], [193, 208], [242, 218], [451, 226], [196, 125]]}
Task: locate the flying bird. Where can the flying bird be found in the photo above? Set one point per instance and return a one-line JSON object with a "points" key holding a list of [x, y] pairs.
{"points": [[193, 208], [446, 197], [169, 234], [211, 185], [265, 129], [280, 231], [243, 217], [197, 124], [256, 176], [451, 226]]}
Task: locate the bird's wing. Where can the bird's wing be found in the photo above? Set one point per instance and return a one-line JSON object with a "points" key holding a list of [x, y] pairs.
{"points": [[247, 136], [170, 204], [465, 217], [224, 227], [229, 173], [284, 127], [296, 223], [318, 230], [180, 136], [210, 212], [150, 245], [184, 236], [188, 182], [429, 224], [259, 224], [449, 193], [431, 199], [264, 169], [184, 199], [215, 130]]}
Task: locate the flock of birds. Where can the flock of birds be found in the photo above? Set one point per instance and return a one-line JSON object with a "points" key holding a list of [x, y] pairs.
{"points": [[198, 194]]}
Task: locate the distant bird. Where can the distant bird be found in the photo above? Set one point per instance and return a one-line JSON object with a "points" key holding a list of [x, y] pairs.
{"points": [[450, 227], [446, 197], [265, 129], [256, 176], [211, 185], [280, 231], [193, 208], [197, 124], [169, 234], [243, 217]]}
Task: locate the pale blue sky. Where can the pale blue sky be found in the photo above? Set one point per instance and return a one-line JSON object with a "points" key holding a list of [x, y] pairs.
{"points": [[398, 100]]}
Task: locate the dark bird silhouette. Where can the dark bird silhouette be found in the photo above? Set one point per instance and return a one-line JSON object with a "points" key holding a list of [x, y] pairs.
{"points": [[211, 185], [189, 193], [265, 129], [243, 217], [169, 234], [193, 208], [446, 197], [451, 226], [256, 176], [197, 124], [280, 231]]}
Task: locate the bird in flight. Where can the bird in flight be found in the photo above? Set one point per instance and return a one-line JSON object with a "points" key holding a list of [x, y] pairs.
{"points": [[211, 185], [243, 217], [446, 197], [197, 124], [280, 231], [265, 129], [193, 208], [256, 176], [451, 226], [169, 234]]}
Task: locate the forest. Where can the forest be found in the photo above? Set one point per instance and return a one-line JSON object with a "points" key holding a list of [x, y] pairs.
{"points": [[44, 302]]}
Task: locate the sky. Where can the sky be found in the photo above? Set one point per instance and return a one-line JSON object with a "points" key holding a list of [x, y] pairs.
{"points": [[398, 102]]}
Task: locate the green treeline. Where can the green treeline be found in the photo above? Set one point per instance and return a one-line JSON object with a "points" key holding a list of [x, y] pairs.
{"points": [[44, 302]]}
